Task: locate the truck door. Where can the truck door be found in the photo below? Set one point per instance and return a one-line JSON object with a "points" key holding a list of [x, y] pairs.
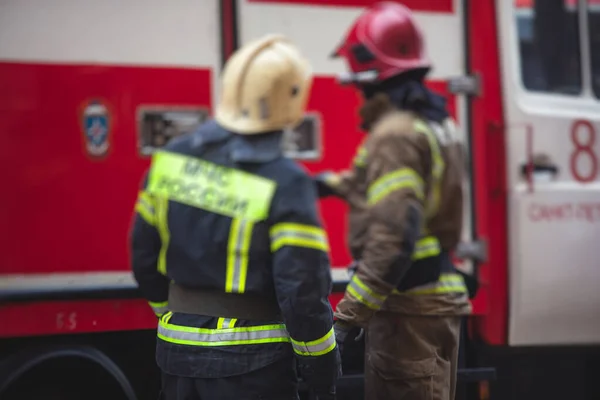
{"points": [[551, 75]]}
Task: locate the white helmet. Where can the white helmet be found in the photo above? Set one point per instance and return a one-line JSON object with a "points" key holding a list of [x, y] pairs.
{"points": [[265, 87]]}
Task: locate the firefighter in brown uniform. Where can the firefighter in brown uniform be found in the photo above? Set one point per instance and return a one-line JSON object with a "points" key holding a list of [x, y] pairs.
{"points": [[228, 249], [406, 203]]}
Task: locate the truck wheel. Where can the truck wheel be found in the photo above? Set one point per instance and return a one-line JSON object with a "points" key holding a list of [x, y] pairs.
{"points": [[63, 373]]}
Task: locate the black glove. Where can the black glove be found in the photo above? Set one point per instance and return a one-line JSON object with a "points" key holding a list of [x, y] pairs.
{"points": [[323, 183], [345, 333], [321, 373]]}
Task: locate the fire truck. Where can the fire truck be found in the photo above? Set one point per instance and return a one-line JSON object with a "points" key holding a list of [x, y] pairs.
{"points": [[89, 89]]}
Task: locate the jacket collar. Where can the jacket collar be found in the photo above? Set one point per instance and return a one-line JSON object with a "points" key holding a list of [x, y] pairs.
{"points": [[260, 148], [373, 109], [257, 148]]}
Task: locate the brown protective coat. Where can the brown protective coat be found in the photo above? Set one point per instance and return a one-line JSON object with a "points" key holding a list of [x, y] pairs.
{"points": [[376, 232], [412, 342]]}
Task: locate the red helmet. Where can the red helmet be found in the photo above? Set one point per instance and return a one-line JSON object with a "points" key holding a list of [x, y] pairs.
{"points": [[384, 41]]}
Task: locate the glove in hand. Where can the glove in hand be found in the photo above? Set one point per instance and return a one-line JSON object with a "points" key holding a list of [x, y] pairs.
{"points": [[321, 373], [346, 333]]}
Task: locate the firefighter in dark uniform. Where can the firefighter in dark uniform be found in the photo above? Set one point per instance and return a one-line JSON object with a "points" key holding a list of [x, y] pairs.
{"points": [[228, 248], [405, 195]]}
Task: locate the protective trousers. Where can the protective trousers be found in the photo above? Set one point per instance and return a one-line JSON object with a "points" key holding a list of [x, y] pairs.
{"points": [[274, 382], [411, 357]]}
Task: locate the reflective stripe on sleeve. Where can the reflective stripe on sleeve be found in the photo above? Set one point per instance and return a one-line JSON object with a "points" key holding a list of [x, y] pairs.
{"points": [[447, 283], [240, 234], [222, 337], [299, 235], [403, 178], [361, 292], [317, 347], [144, 206], [162, 224], [360, 159], [426, 247], [159, 308]]}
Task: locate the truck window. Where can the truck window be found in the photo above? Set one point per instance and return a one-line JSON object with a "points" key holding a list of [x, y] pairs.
{"points": [[304, 141], [158, 125], [548, 35], [593, 12]]}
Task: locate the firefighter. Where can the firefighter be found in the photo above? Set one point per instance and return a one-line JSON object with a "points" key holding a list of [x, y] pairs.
{"points": [[228, 248], [405, 195]]}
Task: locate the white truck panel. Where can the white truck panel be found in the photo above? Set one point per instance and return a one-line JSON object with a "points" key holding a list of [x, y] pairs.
{"points": [[133, 32], [317, 30], [553, 231]]}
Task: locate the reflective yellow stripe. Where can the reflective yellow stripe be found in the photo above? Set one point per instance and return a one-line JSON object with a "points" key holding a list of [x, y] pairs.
{"points": [[240, 234], [167, 316], [145, 213], [159, 308], [146, 198], [361, 292], [209, 186], [447, 283], [299, 235], [317, 347], [404, 178], [162, 209], [426, 247], [360, 159], [439, 165], [226, 323], [190, 336], [145, 207]]}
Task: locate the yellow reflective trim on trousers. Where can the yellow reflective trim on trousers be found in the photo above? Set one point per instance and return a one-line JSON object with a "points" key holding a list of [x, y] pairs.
{"points": [[162, 224], [191, 336], [208, 186], [364, 294], [403, 178], [447, 283], [299, 235], [223, 323], [426, 247], [438, 167], [240, 234], [318, 347]]}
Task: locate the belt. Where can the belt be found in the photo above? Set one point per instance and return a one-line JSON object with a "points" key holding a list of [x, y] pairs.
{"points": [[214, 303]]}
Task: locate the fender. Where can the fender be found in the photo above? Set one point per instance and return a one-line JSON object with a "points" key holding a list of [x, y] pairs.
{"points": [[15, 366]]}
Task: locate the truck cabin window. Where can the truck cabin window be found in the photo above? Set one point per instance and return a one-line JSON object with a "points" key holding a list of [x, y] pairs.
{"points": [[593, 13], [549, 45], [158, 126]]}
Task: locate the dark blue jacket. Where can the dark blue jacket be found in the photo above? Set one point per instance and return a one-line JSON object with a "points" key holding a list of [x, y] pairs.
{"points": [[283, 256]]}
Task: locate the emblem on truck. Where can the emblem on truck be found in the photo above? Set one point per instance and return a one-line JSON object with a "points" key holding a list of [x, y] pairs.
{"points": [[96, 122]]}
